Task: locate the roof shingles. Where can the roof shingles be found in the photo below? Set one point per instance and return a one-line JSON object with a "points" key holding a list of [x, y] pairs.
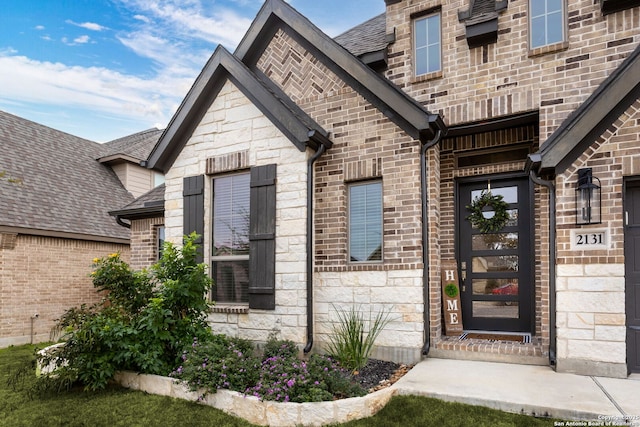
{"points": [[63, 188]]}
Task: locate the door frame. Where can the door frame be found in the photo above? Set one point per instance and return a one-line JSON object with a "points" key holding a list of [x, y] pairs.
{"points": [[458, 182], [633, 181]]}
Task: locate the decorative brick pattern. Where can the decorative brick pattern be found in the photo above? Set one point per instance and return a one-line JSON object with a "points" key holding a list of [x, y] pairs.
{"points": [[45, 269], [227, 162]]}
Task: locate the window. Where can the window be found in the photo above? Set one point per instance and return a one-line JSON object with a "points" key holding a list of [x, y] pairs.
{"points": [[427, 55], [365, 222], [547, 22], [160, 240], [158, 179], [230, 252]]}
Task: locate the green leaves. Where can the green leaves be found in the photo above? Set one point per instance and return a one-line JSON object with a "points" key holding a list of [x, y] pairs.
{"points": [[148, 318], [349, 342]]}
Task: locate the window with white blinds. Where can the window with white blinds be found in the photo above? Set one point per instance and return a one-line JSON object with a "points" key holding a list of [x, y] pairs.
{"points": [[230, 254], [365, 222]]}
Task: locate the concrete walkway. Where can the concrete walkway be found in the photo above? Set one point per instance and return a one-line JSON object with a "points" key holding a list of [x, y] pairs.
{"points": [[526, 389]]}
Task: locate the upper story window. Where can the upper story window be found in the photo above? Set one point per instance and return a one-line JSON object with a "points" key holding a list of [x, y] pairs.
{"points": [[365, 222], [230, 252], [547, 23], [427, 44]]}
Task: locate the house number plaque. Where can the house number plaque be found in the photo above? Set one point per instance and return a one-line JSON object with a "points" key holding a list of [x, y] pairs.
{"points": [[589, 239], [451, 298]]}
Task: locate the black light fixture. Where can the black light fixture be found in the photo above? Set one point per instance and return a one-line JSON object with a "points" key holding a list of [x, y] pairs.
{"points": [[588, 198]]}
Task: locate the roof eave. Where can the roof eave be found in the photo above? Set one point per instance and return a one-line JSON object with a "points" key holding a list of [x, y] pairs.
{"points": [[603, 107]]}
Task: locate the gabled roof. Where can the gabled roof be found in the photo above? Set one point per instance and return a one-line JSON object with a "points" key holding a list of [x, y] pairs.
{"points": [[148, 205], [223, 66], [281, 110], [134, 148], [614, 96], [63, 191], [392, 101]]}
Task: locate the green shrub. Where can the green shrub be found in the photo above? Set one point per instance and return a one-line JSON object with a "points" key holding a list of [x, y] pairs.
{"points": [[349, 343], [146, 322], [282, 348], [229, 363], [219, 362]]}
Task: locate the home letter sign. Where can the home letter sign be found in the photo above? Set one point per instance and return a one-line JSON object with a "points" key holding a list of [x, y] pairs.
{"points": [[451, 298]]}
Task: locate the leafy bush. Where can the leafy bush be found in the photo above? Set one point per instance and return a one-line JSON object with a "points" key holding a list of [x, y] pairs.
{"points": [[228, 363], [349, 343], [146, 322]]}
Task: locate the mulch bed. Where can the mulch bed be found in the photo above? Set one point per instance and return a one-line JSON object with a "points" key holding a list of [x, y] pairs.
{"points": [[379, 374]]}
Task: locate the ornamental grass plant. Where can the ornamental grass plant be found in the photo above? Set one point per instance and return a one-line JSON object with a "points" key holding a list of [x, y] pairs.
{"points": [[350, 342]]}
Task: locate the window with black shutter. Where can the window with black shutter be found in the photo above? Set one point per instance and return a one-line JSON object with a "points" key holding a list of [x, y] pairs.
{"points": [[193, 216]]}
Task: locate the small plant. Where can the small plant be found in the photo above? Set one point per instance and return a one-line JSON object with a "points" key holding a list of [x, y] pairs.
{"points": [[283, 348], [349, 343]]}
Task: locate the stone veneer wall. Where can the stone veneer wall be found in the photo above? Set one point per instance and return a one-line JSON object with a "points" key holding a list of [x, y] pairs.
{"points": [[231, 129], [367, 146], [591, 284], [44, 275]]}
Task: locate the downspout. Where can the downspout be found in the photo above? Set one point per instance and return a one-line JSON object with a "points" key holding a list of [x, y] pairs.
{"points": [[535, 158], [425, 238], [121, 222], [310, 187]]}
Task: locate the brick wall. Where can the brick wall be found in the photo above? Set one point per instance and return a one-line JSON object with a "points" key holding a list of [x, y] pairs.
{"points": [[367, 146], [44, 275], [144, 242], [591, 283]]}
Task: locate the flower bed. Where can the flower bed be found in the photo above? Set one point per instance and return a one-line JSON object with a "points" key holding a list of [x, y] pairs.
{"points": [[260, 412]]}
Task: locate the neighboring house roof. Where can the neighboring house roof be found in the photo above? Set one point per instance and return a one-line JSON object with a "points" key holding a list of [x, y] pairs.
{"points": [[148, 205], [403, 110], [134, 148], [370, 36], [63, 191], [589, 121]]}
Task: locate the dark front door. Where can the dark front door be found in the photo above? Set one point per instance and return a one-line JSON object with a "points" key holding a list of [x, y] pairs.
{"points": [[632, 273], [497, 285]]}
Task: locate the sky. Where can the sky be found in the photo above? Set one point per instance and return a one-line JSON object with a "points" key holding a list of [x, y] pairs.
{"points": [[103, 69]]}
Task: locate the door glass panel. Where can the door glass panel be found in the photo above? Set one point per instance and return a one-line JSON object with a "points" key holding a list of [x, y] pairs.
{"points": [[495, 286], [493, 309], [486, 264], [494, 242], [509, 194]]}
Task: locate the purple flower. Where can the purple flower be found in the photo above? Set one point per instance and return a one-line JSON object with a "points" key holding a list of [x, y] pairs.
{"points": [[290, 383]]}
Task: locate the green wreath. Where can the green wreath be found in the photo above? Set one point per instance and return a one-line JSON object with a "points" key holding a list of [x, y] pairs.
{"points": [[497, 205]]}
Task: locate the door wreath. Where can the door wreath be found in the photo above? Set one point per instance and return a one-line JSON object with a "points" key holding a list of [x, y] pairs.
{"points": [[496, 204]]}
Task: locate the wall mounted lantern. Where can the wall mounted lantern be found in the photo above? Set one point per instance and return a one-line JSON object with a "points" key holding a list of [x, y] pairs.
{"points": [[588, 198]]}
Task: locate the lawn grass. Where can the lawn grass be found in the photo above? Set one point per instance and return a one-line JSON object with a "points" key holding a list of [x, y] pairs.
{"points": [[117, 406]]}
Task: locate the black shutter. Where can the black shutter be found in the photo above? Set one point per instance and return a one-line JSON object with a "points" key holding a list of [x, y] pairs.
{"points": [[193, 215], [262, 238]]}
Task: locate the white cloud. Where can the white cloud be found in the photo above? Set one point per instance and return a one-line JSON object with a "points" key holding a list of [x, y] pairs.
{"points": [[39, 27], [87, 25], [81, 39], [94, 89], [206, 21], [142, 18]]}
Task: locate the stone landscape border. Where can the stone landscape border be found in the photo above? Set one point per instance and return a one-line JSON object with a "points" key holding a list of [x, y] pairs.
{"points": [[264, 413]]}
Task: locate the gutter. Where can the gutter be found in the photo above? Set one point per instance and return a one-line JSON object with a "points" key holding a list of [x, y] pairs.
{"points": [[310, 187], [533, 162], [121, 222], [425, 238]]}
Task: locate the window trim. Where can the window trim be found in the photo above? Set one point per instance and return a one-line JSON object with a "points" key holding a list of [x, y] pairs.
{"points": [[224, 258], [423, 17], [553, 46], [359, 184]]}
